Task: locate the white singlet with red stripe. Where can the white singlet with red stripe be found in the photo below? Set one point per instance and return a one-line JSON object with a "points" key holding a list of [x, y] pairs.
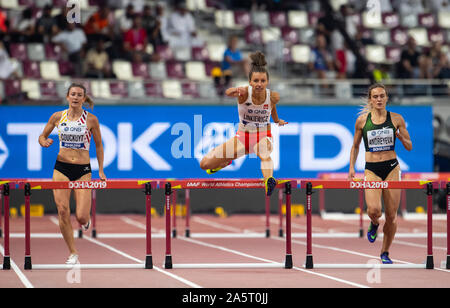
{"points": [[253, 116], [74, 134]]}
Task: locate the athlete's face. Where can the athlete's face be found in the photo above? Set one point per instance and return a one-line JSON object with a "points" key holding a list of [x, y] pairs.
{"points": [[76, 97], [259, 81], [378, 98]]}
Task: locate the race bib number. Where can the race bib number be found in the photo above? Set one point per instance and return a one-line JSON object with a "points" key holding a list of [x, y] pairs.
{"points": [[381, 140]]}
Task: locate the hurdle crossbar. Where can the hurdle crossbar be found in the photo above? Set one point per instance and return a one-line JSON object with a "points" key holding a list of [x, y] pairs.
{"points": [[169, 185], [29, 186], [309, 185]]}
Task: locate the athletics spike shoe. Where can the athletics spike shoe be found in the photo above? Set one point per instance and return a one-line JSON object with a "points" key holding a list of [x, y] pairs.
{"points": [[211, 171], [372, 232], [270, 184], [385, 258], [86, 226], [72, 260]]}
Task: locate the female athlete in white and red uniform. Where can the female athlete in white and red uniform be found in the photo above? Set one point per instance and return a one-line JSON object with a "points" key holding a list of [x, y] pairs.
{"points": [[76, 128], [256, 104]]}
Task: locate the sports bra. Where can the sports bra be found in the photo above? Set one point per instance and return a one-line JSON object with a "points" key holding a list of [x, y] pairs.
{"points": [[379, 137]]}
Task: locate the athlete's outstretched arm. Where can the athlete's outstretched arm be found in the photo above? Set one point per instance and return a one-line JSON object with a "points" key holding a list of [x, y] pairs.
{"points": [[43, 140], [274, 99], [97, 136], [355, 147]]}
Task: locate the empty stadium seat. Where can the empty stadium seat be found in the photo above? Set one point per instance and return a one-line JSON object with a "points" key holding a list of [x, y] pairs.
{"points": [[298, 19], [9, 4], [253, 35], [182, 53], [242, 19], [140, 70], [101, 89], [36, 51], [224, 19], [200, 54], [50, 70], [375, 53], [195, 70], [122, 69], [409, 21], [300, 53], [444, 19], [420, 35], [31, 87], [290, 35], [172, 89], [436, 35], [190, 89], [31, 69], [18, 51], [66, 68], [53, 52], [278, 19], [48, 89], [165, 52], [175, 70], [381, 36], [371, 20], [260, 18], [390, 19], [11, 87], [270, 34], [216, 51], [393, 54], [158, 70], [136, 89], [118, 88], [153, 89], [426, 20], [399, 36]]}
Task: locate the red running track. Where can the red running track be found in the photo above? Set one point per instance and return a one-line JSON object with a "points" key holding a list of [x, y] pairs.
{"points": [[223, 250]]}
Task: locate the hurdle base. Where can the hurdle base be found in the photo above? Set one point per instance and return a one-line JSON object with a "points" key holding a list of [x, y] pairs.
{"points": [[174, 233], [309, 262], [6, 263], [148, 262], [267, 233], [94, 233], [187, 233], [28, 265], [448, 263], [288, 263], [280, 233], [168, 262], [430, 262], [80, 233]]}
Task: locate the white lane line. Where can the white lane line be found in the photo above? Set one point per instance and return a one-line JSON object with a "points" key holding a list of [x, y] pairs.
{"points": [[109, 247], [271, 261], [18, 272]]}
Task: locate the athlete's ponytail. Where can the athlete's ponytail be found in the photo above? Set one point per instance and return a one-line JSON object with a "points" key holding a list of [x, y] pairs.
{"points": [[258, 64], [367, 106], [88, 99]]}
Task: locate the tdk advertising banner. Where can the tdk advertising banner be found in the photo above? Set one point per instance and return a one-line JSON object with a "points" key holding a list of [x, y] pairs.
{"points": [[169, 141]]}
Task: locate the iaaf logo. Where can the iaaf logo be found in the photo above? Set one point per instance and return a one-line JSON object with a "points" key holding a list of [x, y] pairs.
{"points": [[193, 184]]}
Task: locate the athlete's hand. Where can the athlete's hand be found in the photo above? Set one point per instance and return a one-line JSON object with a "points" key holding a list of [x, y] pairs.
{"points": [[282, 122], [351, 174], [399, 135], [46, 143]]}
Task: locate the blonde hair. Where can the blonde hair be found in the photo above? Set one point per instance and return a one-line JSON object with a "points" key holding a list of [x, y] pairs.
{"points": [[367, 106], [88, 99]]}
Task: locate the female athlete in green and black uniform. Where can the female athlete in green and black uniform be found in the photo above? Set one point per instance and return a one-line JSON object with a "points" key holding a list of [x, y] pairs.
{"points": [[380, 128]]}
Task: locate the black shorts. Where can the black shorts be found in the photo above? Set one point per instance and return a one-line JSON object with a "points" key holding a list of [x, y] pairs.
{"points": [[72, 171], [382, 168]]}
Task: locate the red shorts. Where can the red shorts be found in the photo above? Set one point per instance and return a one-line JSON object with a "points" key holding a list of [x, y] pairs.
{"points": [[250, 139]]}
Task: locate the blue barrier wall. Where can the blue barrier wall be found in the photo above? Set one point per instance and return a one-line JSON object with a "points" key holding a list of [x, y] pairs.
{"points": [[169, 141]]}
